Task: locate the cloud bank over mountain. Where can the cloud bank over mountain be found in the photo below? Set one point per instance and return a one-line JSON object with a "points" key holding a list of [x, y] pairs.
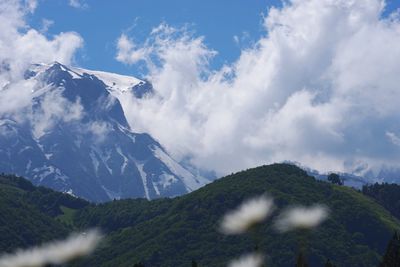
{"points": [[20, 47], [320, 87]]}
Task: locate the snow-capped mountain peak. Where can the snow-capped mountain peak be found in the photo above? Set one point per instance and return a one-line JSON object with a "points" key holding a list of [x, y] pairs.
{"points": [[75, 138], [116, 84]]}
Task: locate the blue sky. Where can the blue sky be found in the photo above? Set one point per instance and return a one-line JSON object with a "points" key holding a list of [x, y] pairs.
{"points": [[100, 23]]}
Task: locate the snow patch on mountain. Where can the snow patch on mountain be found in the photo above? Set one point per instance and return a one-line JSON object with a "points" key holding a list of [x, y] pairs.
{"points": [[189, 179], [143, 175], [115, 82], [111, 194], [125, 163]]}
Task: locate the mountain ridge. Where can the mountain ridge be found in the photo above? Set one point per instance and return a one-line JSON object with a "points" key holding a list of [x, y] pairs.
{"points": [[76, 139]]}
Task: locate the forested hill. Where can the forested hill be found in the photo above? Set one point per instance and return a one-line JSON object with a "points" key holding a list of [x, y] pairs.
{"points": [[388, 195], [173, 232], [31, 215]]}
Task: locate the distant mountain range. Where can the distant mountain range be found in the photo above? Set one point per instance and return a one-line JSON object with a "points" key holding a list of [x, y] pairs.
{"points": [[74, 137], [348, 179], [359, 177]]}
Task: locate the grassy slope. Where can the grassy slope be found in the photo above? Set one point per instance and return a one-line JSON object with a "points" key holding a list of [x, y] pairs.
{"points": [[173, 232]]}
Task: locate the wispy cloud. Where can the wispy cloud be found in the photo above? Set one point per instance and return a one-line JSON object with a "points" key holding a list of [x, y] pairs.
{"points": [[393, 138], [46, 24], [52, 108], [31, 5], [127, 52], [78, 3]]}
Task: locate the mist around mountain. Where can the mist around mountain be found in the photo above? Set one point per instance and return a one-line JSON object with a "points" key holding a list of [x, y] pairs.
{"points": [[74, 137]]}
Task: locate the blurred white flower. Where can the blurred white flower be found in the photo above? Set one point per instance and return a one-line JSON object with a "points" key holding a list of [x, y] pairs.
{"points": [[301, 217], [58, 252], [249, 260], [250, 213]]}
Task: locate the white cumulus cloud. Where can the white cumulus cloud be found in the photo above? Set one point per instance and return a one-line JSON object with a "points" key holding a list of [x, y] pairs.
{"points": [[320, 87]]}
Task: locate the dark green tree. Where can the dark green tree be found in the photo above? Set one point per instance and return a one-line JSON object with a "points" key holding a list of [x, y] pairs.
{"points": [[138, 265], [301, 260], [335, 179], [329, 264], [388, 195], [194, 263], [392, 254]]}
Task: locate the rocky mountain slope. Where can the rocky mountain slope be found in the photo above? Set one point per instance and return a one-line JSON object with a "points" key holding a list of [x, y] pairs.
{"points": [[74, 137]]}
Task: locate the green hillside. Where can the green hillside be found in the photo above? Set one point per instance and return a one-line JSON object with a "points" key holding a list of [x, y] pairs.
{"points": [[388, 195], [173, 232], [28, 214]]}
